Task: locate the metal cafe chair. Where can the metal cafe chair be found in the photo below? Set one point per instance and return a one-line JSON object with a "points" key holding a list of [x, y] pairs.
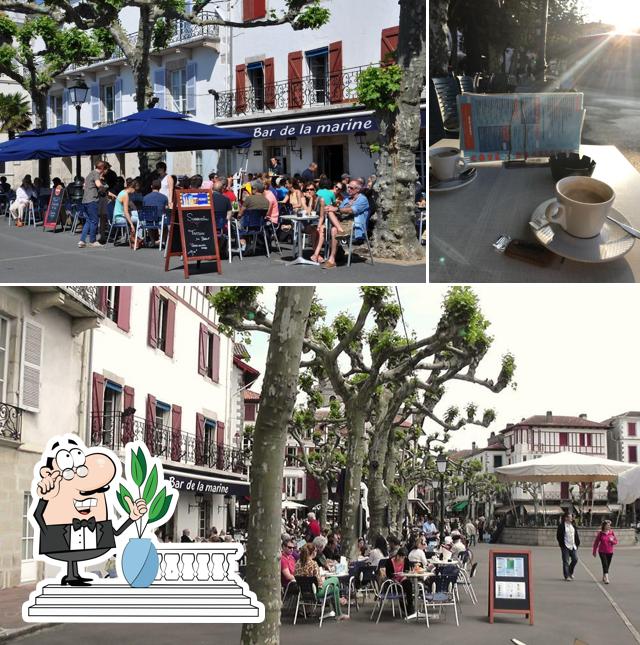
{"points": [[349, 250], [253, 225], [393, 591], [442, 593], [308, 597], [150, 219]]}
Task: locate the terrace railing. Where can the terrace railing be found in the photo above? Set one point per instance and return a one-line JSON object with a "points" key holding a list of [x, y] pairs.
{"points": [[307, 91], [116, 430], [10, 422]]}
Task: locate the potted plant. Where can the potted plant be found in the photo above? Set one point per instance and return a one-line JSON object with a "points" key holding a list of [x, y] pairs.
{"points": [[139, 562]]}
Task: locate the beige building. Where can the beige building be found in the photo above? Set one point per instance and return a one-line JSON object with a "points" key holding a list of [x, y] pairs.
{"points": [[44, 386]]}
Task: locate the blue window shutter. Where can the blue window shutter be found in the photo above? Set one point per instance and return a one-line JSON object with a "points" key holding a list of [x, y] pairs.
{"points": [[158, 87], [95, 103], [117, 111], [191, 86], [66, 108]]}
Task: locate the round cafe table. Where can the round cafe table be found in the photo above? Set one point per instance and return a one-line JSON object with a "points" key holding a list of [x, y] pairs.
{"points": [[299, 221], [415, 579]]}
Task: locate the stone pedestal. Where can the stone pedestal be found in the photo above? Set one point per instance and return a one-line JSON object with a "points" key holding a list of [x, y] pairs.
{"points": [[195, 583]]}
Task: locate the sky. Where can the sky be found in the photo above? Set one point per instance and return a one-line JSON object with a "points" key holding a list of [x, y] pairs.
{"points": [[624, 14], [577, 348]]}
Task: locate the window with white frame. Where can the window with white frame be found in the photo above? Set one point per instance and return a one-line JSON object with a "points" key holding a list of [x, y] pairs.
{"points": [[108, 102], [4, 356], [198, 162], [112, 296], [204, 518], [57, 110], [163, 421], [290, 486], [318, 64], [111, 411], [255, 75], [178, 89], [291, 456], [27, 529]]}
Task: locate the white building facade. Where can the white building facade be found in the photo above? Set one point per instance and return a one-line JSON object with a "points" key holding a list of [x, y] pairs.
{"points": [[44, 391], [541, 435], [162, 373], [293, 91], [624, 437]]}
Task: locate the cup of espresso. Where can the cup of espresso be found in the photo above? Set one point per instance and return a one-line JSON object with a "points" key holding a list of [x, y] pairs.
{"points": [[446, 163], [581, 206]]}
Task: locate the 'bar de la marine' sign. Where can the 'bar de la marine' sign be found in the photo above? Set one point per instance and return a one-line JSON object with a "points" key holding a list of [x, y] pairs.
{"points": [[311, 128]]}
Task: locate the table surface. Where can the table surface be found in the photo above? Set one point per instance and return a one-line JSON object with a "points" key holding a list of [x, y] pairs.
{"points": [[465, 223]]}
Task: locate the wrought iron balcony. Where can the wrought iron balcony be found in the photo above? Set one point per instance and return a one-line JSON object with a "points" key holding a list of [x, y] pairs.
{"points": [[308, 91], [10, 422], [183, 32], [85, 293], [116, 430]]}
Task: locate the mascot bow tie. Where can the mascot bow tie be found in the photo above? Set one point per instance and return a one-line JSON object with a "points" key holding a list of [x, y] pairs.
{"points": [[84, 524]]}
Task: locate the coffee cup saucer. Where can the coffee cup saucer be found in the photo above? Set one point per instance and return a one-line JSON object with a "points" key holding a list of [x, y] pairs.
{"points": [[464, 178], [612, 242]]}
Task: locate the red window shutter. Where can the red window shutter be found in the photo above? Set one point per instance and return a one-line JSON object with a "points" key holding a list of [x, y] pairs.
{"points": [[582, 439], [124, 308], [632, 429], [150, 425], [176, 432], [202, 349], [241, 88], [152, 336], [247, 10], [589, 439], [294, 66], [249, 412], [102, 299], [171, 324], [97, 408], [633, 454], [299, 485], [127, 421], [389, 45], [259, 8], [269, 84], [563, 438], [220, 445], [199, 439], [336, 84], [284, 485], [215, 366]]}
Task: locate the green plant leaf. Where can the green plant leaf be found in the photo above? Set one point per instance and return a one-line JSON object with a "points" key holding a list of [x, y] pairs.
{"points": [[156, 506], [143, 464], [136, 469], [164, 509], [121, 494], [151, 485]]}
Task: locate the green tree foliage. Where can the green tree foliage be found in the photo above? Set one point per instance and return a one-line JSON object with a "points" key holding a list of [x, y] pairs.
{"points": [[15, 113]]}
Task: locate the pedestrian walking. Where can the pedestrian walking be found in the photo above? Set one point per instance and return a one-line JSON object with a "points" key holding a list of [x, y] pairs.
{"points": [[470, 530], [603, 545], [568, 541]]}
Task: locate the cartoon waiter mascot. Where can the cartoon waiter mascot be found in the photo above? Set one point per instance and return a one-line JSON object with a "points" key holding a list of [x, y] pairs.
{"points": [[72, 511]]}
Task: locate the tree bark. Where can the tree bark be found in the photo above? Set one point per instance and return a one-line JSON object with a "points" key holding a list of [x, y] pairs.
{"points": [[439, 50], [324, 500], [355, 457], [399, 136], [279, 394]]}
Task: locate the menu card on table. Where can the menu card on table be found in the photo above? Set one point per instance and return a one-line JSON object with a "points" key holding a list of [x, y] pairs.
{"points": [[497, 127]]}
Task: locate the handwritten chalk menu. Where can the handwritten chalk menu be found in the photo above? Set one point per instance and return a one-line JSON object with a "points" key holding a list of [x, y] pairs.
{"points": [[192, 231], [510, 583], [55, 210]]}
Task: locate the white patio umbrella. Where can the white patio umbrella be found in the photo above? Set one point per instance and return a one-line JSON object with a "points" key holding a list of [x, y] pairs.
{"points": [[629, 486], [291, 505], [564, 466]]}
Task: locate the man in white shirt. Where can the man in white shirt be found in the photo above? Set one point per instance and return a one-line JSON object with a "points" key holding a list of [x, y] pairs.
{"points": [[568, 541]]}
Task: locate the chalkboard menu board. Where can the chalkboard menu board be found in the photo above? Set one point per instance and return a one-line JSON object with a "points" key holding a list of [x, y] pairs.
{"points": [[510, 583], [55, 209], [192, 231]]}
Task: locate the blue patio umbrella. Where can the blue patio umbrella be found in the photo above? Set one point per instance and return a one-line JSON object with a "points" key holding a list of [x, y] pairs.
{"points": [[37, 144], [154, 130]]}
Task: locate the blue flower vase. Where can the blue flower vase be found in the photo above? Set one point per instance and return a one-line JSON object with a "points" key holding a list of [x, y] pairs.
{"points": [[140, 562]]}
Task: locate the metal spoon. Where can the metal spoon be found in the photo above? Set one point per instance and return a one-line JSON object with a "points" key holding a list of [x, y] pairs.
{"points": [[461, 177], [625, 227]]}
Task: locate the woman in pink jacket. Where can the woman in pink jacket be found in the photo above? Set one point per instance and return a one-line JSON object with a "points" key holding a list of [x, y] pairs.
{"points": [[603, 544]]}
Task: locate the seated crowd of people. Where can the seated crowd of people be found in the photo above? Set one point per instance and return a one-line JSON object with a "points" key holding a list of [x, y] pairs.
{"points": [[310, 550], [104, 198]]}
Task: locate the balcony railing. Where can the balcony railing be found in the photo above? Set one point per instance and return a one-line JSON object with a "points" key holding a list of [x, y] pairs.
{"points": [[307, 91], [116, 430], [86, 294], [10, 422], [183, 32]]}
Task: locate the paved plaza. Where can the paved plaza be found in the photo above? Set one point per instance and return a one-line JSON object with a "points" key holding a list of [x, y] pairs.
{"points": [[565, 612], [30, 255]]}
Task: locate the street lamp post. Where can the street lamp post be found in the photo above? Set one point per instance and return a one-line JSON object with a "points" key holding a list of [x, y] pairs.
{"points": [[78, 95], [441, 465]]}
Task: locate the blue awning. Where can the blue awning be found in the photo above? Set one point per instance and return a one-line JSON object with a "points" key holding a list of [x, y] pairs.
{"points": [[110, 385], [322, 51], [257, 65], [38, 143], [163, 406]]}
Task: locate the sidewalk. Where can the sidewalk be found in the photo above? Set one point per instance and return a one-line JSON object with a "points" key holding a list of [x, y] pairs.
{"points": [[11, 623]]}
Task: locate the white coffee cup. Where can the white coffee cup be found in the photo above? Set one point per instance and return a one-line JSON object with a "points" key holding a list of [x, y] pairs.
{"points": [[581, 206], [446, 163]]}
